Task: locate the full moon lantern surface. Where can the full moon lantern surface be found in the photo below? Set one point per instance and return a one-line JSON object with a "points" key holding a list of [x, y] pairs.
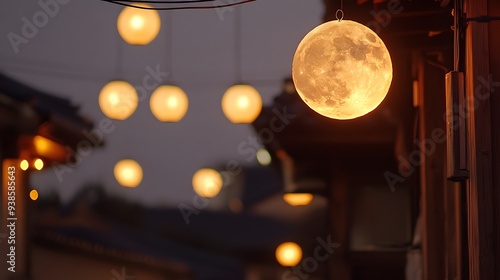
{"points": [[342, 69]]}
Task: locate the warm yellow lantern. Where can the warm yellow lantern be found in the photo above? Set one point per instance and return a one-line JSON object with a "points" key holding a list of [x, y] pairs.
{"points": [[24, 165], [38, 164], [138, 26], [342, 69], [169, 103], [288, 254], [118, 100], [128, 173], [298, 199], [241, 103], [207, 182]]}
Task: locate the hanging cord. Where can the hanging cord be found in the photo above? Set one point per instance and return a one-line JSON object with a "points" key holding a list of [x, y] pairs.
{"points": [[237, 46], [119, 57], [169, 45], [339, 14]]}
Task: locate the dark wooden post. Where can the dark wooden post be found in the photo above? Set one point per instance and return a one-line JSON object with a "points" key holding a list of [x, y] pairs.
{"points": [[483, 194]]}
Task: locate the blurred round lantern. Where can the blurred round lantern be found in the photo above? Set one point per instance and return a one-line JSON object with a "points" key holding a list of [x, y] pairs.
{"points": [[241, 103], [288, 254], [207, 182], [169, 103], [128, 173], [118, 100], [297, 199], [138, 26]]}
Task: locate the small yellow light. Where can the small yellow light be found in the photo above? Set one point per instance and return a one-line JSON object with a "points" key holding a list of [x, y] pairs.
{"points": [[263, 157], [241, 103], [207, 182], [118, 100], [33, 195], [298, 199], [138, 26], [169, 103], [288, 254], [128, 173], [24, 165], [38, 164]]}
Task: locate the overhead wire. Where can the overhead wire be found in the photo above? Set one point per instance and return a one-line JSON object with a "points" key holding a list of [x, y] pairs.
{"points": [[128, 4]]}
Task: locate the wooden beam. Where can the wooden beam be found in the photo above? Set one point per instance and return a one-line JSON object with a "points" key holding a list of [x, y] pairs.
{"points": [[480, 189]]}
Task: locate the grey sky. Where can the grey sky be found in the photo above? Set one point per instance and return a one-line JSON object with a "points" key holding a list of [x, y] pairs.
{"points": [[74, 55]]}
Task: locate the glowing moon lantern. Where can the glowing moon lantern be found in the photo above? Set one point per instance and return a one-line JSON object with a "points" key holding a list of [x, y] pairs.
{"points": [[288, 254], [342, 69], [138, 26], [169, 103], [128, 173]]}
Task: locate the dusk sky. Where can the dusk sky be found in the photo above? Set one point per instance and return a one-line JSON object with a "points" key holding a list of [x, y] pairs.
{"points": [[75, 54]]}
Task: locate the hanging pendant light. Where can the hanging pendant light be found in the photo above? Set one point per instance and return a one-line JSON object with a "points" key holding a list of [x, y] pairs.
{"points": [[128, 173], [342, 69], [138, 26], [207, 182], [169, 103], [241, 103], [118, 100]]}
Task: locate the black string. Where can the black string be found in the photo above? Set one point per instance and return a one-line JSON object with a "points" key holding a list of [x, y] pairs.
{"points": [[119, 2], [166, 2]]}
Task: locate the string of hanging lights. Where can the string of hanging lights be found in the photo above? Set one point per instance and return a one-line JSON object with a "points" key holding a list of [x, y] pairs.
{"points": [[177, 5]]}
